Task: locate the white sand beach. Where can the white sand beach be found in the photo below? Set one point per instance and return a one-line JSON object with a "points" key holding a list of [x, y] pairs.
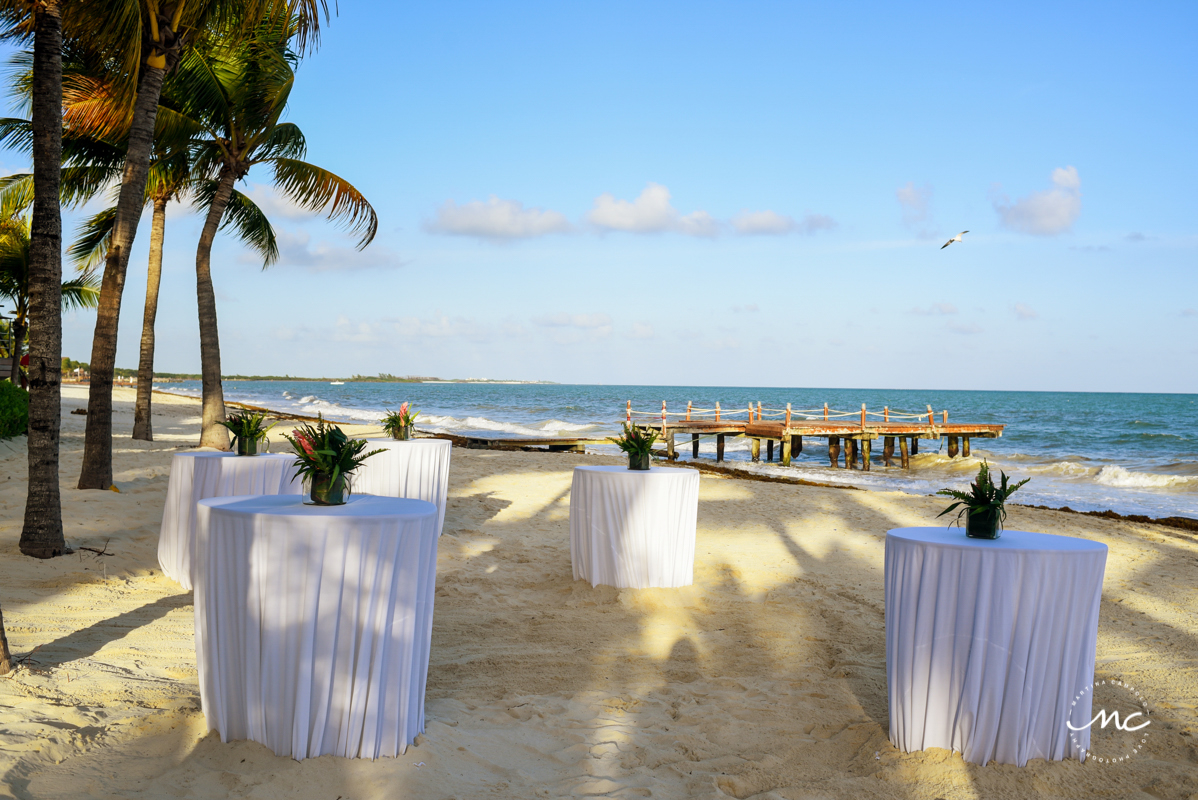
{"points": [[765, 679]]}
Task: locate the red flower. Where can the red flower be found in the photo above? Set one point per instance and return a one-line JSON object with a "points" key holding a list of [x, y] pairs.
{"points": [[304, 442]]}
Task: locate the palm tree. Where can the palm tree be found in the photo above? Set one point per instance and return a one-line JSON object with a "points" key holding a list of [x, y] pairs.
{"points": [[151, 38], [5, 656], [170, 180], [41, 534], [235, 93], [17, 284]]}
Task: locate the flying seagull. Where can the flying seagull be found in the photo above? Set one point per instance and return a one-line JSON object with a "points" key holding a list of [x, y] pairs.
{"points": [[956, 238]]}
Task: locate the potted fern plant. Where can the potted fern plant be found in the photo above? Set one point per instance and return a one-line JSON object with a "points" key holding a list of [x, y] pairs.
{"points": [[637, 443], [982, 506], [401, 424], [248, 431], [325, 456]]}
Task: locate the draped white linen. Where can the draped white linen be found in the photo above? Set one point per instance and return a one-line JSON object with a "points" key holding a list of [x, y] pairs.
{"points": [[195, 476], [988, 642], [416, 468], [634, 529], [313, 623]]}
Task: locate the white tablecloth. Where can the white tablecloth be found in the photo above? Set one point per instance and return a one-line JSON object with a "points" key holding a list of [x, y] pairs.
{"points": [[313, 623], [634, 529], [988, 642], [417, 469], [195, 476]]}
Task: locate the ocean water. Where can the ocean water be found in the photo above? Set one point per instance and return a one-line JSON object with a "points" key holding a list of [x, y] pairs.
{"points": [[1130, 453]]}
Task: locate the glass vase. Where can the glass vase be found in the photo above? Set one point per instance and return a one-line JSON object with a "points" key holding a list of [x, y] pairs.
{"points": [[404, 433], [638, 461], [328, 492], [983, 526]]}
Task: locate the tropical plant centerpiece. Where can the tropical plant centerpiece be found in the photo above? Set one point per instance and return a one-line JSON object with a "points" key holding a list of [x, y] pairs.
{"points": [[982, 506], [400, 424], [637, 443], [248, 431], [325, 457]]}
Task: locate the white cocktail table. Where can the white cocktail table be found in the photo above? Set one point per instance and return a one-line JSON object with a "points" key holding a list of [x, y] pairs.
{"points": [[634, 529], [417, 469], [313, 623], [195, 476], [989, 642]]}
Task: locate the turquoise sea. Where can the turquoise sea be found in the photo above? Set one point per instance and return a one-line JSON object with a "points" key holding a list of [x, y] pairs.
{"points": [[1131, 453]]}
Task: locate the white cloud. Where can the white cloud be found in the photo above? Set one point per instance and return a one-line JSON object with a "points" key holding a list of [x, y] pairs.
{"points": [[650, 212], [1136, 236], [439, 327], [966, 329], [563, 320], [298, 250], [1044, 213], [640, 330], [771, 223], [937, 309], [496, 220], [916, 202], [1025, 311], [1189, 312], [748, 308], [275, 205]]}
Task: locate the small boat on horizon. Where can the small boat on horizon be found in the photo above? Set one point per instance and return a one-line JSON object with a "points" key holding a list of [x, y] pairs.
{"points": [[336, 383]]}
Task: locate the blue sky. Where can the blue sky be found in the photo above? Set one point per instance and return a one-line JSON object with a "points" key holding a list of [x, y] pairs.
{"points": [[727, 193]]}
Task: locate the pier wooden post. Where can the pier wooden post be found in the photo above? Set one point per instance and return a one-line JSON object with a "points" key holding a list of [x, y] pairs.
{"points": [[786, 451], [863, 416], [834, 451], [796, 445], [628, 413], [759, 411], [688, 410], [946, 416], [866, 449], [914, 445], [717, 410], [671, 453], [788, 415], [825, 410], [904, 461], [850, 455], [769, 449], [965, 446], [755, 449], [952, 447], [719, 447], [886, 413], [888, 450], [694, 445]]}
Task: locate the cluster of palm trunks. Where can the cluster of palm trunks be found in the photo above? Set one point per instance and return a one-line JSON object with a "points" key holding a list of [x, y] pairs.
{"points": [[850, 445]]}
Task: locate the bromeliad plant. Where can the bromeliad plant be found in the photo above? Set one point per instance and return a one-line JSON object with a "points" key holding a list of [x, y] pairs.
{"points": [[399, 424], [982, 506], [324, 457], [637, 443], [247, 430]]}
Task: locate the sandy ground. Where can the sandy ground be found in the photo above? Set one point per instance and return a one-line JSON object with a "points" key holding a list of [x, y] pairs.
{"points": [[765, 679]]}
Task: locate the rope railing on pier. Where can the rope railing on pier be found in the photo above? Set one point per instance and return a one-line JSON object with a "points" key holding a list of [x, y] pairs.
{"points": [[788, 413]]}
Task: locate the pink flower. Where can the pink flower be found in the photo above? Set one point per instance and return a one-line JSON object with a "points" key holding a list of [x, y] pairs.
{"points": [[403, 409], [303, 440]]}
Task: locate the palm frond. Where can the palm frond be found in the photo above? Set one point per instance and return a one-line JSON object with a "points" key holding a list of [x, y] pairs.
{"points": [[253, 228], [91, 240], [16, 194], [81, 292], [319, 190]]}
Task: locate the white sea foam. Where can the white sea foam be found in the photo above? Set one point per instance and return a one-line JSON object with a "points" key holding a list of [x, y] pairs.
{"points": [[1114, 475]]}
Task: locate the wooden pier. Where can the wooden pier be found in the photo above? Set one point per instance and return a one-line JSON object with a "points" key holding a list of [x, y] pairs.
{"points": [[788, 428]]}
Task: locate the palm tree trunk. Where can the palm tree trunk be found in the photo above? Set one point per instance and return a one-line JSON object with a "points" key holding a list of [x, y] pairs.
{"points": [[142, 427], [213, 434], [97, 442], [5, 656], [41, 535], [18, 331]]}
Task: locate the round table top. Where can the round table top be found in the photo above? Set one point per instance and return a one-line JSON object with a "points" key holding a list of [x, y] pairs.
{"points": [[230, 454], [1010, 541], [292, 505], [388, 442], [614, 470]]}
